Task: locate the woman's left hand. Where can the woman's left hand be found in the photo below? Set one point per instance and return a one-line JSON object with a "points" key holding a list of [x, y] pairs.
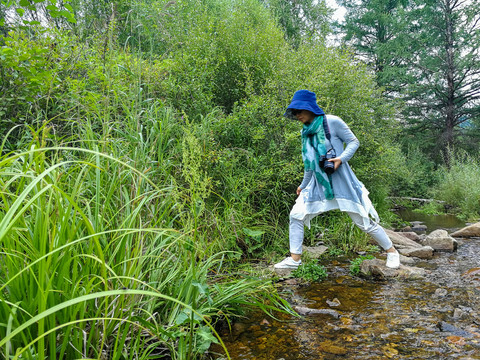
{"points": [[336, 161]]}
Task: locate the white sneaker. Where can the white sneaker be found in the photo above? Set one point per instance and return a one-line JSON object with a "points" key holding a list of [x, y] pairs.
{"points": [[393, 260], [288, 263]]}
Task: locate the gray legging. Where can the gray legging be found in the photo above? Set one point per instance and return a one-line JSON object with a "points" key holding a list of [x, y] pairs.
{"points": [[373, 229]]}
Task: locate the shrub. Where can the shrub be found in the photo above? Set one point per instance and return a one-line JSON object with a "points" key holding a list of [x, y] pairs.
{"points": [[459, 185], [312, 271]]}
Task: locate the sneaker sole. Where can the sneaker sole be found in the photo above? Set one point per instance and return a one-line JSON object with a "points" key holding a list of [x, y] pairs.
{"points": [[286, 267]]}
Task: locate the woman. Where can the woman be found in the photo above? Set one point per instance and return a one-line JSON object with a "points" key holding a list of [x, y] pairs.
{"points": [[322, 190]]}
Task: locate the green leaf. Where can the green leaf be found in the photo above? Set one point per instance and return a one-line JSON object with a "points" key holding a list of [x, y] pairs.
{"points": [[20, 11], [24, 3], [253, 233], [181, 318]]}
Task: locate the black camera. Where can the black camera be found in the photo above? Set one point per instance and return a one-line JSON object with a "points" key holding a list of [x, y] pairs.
{"points": [[328, 166]]}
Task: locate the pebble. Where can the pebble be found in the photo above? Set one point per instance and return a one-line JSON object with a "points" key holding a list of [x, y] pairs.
{"points": [[441, 292]]}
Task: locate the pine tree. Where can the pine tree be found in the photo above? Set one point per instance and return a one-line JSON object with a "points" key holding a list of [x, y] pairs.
{"points": [[426, 53]]}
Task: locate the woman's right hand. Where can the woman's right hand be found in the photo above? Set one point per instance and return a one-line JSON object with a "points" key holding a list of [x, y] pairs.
{"points": [[299, 190]]}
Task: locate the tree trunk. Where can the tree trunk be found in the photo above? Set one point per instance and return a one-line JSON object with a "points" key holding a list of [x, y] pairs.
{"points": [[448, 138]]}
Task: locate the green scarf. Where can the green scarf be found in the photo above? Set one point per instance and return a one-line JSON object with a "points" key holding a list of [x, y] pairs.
{"points": [[313, 147]]}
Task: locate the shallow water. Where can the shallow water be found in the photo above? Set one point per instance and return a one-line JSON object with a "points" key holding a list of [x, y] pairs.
{"points": [[433, 222], [436, 317]]}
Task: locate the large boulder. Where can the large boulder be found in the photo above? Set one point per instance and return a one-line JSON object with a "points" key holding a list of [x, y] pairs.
{"points": [[439, 240], [468, 231], [401, 241], [424, 252], [377, 268]]}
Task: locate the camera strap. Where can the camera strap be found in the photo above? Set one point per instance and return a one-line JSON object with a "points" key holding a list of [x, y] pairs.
{"points": [[327, 133], [326, 128]]}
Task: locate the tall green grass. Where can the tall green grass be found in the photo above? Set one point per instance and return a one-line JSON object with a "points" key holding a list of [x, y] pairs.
{"points": [[93, 263]]}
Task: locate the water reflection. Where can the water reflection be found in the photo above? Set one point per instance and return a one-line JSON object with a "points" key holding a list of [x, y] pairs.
{"points": [[433, 222]]}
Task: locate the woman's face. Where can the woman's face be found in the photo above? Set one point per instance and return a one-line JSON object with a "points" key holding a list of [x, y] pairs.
{"points": [[304, 116]]}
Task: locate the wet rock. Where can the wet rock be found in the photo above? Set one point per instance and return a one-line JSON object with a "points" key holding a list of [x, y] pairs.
{"points": [[239, 328], [401, 241], [303, 310], [264, 322], [334, 303], [315, 251], [458, 313], [424, 252], [411, 235], [446, 327], [419, 228], [377, 268], [405, 260], [283, 272], [468, 231], [439, 240]]}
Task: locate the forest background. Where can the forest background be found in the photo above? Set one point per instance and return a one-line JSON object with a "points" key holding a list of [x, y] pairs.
{"points": [[146, 163]]}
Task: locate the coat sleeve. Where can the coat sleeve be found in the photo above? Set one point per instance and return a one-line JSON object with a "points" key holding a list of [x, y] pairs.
{"points": [[307, 175], [343, 132]]}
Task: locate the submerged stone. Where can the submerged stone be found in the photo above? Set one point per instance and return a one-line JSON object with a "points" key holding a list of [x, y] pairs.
{"points": [[303, 310], [329, 347], [446, 327]]}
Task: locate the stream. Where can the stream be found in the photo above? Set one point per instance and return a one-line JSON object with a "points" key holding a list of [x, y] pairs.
{"points": [[436, 317]]}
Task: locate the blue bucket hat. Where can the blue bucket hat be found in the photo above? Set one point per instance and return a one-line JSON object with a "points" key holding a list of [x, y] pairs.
{"points": [[303, 100]]}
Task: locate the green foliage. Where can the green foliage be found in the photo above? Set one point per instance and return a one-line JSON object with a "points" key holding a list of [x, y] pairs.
{"points": [[340, 234], [226, 49], [301, 21], [415, 173], [357, 263], [459, 185], [26, 78], [311, 271], [27, 14], [431, 208], [253, 240], [335, 251]]}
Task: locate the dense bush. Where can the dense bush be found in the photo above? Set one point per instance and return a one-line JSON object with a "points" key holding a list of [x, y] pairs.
{"points": [[459, 185]]}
